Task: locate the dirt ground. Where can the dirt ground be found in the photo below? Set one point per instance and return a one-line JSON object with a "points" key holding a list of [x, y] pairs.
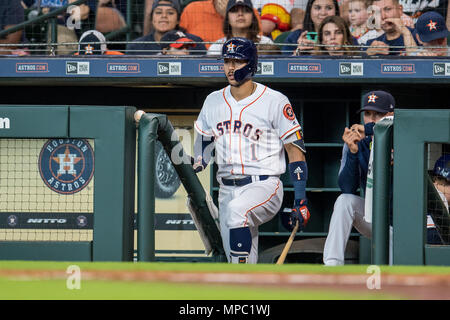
{"points": [[420, 286]]}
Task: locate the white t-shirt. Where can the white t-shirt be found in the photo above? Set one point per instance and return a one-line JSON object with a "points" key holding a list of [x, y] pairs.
{"points": [[249, 134], [216, 48]]}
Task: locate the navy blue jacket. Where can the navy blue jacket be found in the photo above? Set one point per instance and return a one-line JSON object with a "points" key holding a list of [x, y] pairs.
{"points": [[354, 167]]}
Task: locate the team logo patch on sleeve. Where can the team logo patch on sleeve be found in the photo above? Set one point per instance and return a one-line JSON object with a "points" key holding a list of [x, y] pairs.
{"points": [[288, 112], [66, 165]]}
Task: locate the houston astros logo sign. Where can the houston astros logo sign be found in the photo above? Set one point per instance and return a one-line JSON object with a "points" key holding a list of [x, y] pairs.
{"points": [[66, 165]]}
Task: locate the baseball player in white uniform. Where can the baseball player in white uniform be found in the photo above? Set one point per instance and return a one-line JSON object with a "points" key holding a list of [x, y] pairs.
{"points": [[249, 126]]}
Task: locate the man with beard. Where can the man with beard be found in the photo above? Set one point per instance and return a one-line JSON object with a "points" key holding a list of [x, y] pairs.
{"points": [[396, 35]]}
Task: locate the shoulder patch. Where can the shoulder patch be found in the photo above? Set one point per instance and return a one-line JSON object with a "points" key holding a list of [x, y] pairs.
{"points": [[288, 112]]}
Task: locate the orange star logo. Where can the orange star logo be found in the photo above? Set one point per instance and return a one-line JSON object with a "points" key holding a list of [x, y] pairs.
{"points": [[230, 47], [66, 162], [89, 49], [432, 25], [372, 98]]}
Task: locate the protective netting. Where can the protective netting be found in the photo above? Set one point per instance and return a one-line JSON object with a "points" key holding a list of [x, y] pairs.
{"points": [[46, 189], [438, 194], [58, 27]]}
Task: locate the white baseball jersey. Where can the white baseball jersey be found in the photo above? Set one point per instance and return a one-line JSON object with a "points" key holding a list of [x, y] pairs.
{"points": [[249, 134]]}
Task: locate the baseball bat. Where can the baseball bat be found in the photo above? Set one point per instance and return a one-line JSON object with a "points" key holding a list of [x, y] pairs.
{"points": [[288, 245]]}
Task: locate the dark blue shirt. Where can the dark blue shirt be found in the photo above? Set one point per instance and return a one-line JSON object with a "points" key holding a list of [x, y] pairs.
{"points": [[398, 42]]}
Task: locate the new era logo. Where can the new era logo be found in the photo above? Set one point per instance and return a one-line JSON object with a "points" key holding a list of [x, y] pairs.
{"points": [[265, 68], [71, 67], [77, 67], [441, 69], [351, 69], [169, 68]]}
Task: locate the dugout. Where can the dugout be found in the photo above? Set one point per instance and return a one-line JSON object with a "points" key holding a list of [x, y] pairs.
{"points": [[324, 94]]}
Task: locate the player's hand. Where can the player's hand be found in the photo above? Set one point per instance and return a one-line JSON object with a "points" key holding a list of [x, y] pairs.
{"points": [[198, 165], [299, 213], [378, 47], [351, 138]]}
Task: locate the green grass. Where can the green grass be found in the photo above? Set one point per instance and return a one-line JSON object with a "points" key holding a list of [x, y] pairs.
{"points": [[14, 289]]}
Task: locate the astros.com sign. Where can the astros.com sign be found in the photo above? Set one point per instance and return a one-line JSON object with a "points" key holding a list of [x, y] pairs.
{"points": [[4, 123]]}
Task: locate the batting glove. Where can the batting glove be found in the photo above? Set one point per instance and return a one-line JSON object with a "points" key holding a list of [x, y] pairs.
{"points": [[301, 213], [198, 165]]}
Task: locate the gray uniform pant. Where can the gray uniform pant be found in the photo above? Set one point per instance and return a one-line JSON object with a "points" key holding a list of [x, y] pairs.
{"points": [[348, 211]]}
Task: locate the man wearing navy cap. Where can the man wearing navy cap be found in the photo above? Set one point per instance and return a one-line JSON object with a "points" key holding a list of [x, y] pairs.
{"points": [[432, 33], [349, 208]]}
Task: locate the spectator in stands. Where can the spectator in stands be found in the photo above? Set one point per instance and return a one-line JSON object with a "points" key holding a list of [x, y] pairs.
{"points": [[349, 208], [164, 17], [413, 9], [240, 21], [441, 181], [176, 42], [93, 42], [316, 11], [357, 17], [373, 24], [67, 24], [432, 34], [275, 18], [335, 38], [396, 35], [205, 19], [109, 17], [282, 11], [11, 14]]}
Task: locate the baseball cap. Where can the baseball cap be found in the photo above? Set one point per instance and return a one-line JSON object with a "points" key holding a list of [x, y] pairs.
{"points": [[442, 167], [380, 101], [168, 3], [92, 42], [431, 26], [245, 3], [178, 38]]}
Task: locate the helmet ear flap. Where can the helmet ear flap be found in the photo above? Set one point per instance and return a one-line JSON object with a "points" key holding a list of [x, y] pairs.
{"points": [[243, 49]]}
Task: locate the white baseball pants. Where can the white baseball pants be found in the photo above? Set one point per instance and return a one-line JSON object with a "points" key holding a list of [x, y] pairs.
{"points": [[248, 206]]}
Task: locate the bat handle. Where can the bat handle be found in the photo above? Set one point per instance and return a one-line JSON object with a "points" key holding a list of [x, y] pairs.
{"points": [[288, 245]]}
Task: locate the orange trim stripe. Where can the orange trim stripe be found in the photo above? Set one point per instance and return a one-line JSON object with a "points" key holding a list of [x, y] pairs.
{"points": [[271, 196], [231, 119], [240, 116], [198, 128], [294, 128]]}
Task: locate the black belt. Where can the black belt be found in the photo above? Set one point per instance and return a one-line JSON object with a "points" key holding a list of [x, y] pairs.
{"points": [[241, 182]]}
